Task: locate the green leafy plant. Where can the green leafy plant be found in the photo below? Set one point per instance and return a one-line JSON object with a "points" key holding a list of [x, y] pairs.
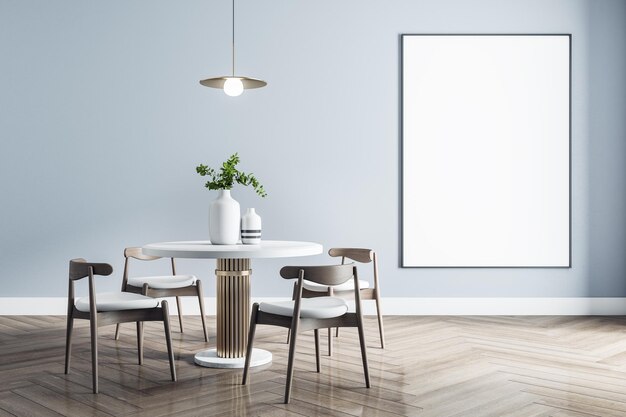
{"points": [[228, 175]]}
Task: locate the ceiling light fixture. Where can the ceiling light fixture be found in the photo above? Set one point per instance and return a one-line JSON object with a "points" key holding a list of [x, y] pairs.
{"points": [[233, 85]]}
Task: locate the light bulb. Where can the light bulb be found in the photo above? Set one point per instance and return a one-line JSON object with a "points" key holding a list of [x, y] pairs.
{"points": [[233, 87]]}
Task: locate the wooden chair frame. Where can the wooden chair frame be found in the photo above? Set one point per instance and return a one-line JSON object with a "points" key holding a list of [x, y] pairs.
{"points": [[357, 255], [191, 290], [327, 275], [79, 269]]}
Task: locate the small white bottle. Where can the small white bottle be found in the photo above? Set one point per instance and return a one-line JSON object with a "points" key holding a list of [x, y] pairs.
{"points": [[250, 228]]}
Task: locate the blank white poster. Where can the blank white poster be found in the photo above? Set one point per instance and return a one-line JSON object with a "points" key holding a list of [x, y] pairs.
{"points": [[486, 150]]}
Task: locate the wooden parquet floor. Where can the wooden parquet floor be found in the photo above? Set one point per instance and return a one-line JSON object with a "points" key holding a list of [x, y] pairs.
{"points": [[432, 366]]}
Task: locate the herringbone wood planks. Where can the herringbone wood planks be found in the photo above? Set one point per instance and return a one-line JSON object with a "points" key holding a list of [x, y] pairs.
{"points": [[432, 366]]}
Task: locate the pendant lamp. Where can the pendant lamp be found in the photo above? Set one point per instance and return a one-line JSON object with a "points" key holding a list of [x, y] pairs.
{"points": [[233, 85]]}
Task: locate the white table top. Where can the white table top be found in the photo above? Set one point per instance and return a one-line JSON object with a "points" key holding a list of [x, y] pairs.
{"points": [[204, 249]]}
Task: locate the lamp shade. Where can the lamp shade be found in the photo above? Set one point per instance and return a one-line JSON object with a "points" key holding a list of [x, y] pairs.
{"points": [[218, 82]]}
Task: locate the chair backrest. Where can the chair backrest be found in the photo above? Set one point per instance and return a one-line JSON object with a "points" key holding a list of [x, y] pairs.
{"points": [[359, 255], [356, 254], [138, 254], [79, 268], [325, 275]]}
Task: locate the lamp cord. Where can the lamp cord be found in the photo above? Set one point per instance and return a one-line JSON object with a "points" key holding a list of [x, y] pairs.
{"points": [[233, 38]]}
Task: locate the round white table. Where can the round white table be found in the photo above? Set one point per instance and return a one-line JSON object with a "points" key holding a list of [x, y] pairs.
{"points": [[233, 291]]}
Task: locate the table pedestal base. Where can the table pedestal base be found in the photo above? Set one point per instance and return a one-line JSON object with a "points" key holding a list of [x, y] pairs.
{"points": [[233, 311], [209, 359], [233, 319]]}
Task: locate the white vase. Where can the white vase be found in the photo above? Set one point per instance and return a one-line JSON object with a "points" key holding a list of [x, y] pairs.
{"points": [[250, 228], [224, 219]]}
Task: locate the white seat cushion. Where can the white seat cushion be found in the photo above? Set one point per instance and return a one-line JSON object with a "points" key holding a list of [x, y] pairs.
{"points": [[313, 308], [115, 301], [346, 286], [163, 282]]}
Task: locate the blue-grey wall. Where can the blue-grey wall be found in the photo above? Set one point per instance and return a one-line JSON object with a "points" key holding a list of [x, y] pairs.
{"points": [[102, 122]]}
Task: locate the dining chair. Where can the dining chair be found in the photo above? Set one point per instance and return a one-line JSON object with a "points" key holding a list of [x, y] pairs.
{"points": [[111, 308], [303, 314], [346, 290], [162, 286]]}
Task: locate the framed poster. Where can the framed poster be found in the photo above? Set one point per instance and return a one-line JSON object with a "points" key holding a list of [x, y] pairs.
{"points": [[486, 150]]}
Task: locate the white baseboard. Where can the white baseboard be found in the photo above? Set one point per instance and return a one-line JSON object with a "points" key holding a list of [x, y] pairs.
{"points": [[391, 306]]}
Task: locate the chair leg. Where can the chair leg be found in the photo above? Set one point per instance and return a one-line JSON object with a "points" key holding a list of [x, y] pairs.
{"points": [[292, 354], [293, 297], [380, 323], [330, 342], [246, 367], [68, 342], [180, 314], [140, 342], [364, 353], [201, 302], [336, 331], [317, 349], [168, 337], [94, 354]]}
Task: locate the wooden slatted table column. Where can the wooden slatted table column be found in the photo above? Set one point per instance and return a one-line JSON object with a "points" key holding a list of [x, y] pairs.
{"points": [[233, 313]]}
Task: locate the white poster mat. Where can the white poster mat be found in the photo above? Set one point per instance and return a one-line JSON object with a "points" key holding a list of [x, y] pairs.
{"points": [[486, 150]]}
